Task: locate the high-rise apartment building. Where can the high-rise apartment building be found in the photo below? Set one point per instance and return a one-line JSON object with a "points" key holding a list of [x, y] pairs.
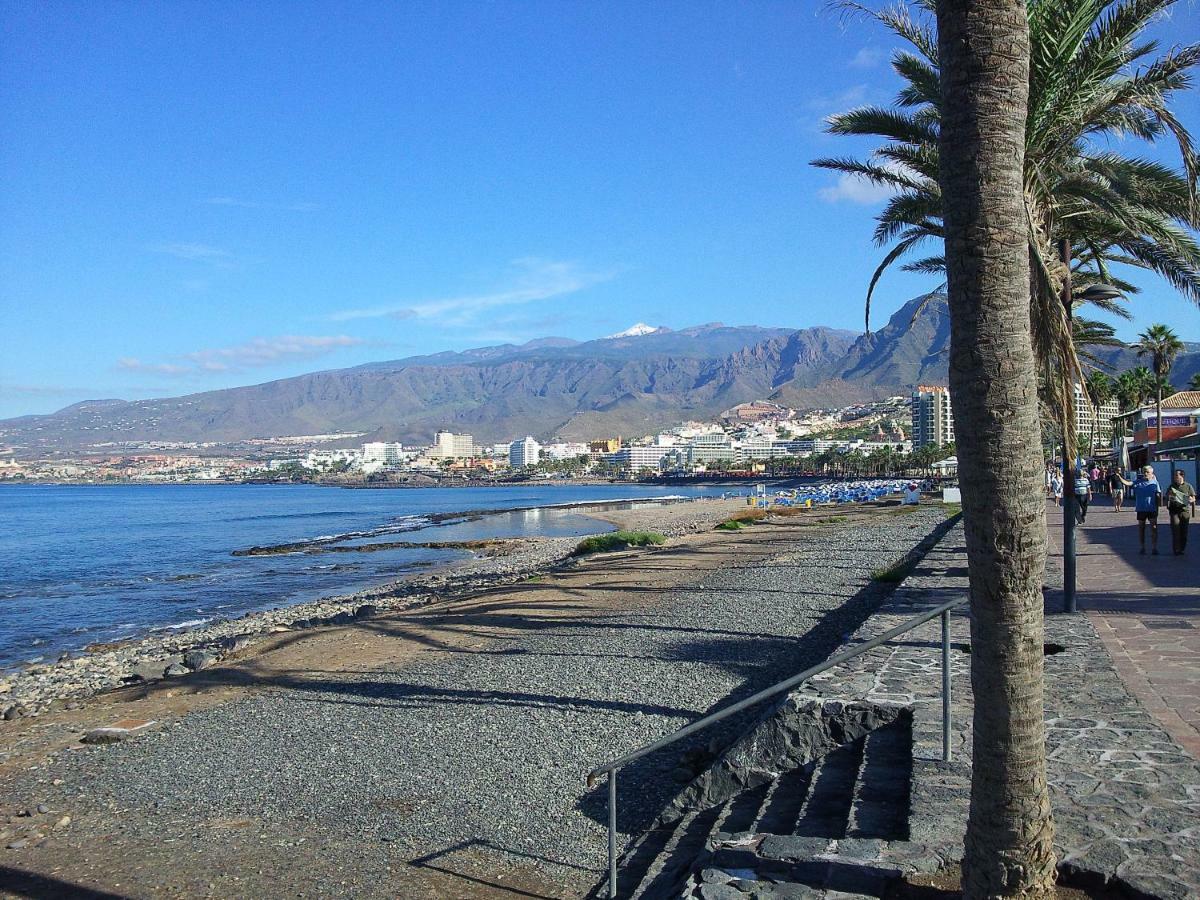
{"points": [[447, 445], [932, 419], [1085, 415], [527, 452]]}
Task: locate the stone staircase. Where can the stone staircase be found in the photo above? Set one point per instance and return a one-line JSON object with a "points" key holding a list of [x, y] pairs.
{"points": [[812, 800]]}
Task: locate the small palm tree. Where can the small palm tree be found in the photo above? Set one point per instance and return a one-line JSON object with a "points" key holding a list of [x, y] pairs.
{"points": [[1194, 384], [1162, 345]]}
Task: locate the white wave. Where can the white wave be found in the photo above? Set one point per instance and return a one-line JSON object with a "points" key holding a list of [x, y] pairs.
{"points": [[187, 623]]}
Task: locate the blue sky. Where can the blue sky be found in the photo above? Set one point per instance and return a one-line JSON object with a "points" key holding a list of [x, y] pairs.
{"points": [[201, 194]]}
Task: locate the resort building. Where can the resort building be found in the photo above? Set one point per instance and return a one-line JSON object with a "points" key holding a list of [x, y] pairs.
{"points": [[1085, 416], [932, 419], [527, 452], [635, 458], [762, 449], [706, 448], [447, 445], [565, 450], [382, 454], [608, 445]]}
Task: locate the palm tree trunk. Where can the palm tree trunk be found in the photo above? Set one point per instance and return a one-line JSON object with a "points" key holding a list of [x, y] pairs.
{"points": [[1158, 413], [984, 52]]}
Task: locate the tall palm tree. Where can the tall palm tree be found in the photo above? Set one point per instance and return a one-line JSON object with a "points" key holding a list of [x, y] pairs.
{"points": [[1099, 389], [1092, 79], [1162, 345], [984, 50]]}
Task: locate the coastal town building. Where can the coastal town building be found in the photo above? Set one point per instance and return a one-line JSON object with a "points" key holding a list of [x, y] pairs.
{"points": [[1086, 417], [565, 450], [932, 418], [708, 448], [448, 445], [756, 411], [382, 454], [636, 457], [605, 446], [526, 452], [1180, 421]]}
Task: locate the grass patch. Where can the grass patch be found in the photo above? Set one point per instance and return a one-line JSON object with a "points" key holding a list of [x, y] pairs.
{"points": [[742, 520], [893, 574], [822, 520], [617, 540], [952, 509]]}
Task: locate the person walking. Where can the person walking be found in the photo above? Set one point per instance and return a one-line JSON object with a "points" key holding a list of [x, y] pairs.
{"points": [[1056, 485], [1181, 506], [1116, 486], [1147, 498], [1083, 495]]}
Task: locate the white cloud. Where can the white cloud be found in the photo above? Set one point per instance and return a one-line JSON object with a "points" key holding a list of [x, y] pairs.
{"points": [[253, 354], [867, 58], [535, 279], [193, 251], [258, 204], [853, 189], [837, 101]]}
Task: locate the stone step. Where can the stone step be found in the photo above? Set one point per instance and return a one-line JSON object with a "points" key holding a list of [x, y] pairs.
{"points": [[791, 791], [826, 812], [881, 797], [815, 828], [666, 872]]}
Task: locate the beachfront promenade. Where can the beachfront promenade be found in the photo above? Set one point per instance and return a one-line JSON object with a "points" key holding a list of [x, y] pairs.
{"points": [[1146, 610]]}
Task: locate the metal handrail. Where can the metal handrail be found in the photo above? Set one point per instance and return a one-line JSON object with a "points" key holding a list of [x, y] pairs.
{"points": [[611, 768]]}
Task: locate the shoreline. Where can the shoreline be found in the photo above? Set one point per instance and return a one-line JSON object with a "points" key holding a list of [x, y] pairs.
{"points": [[34, 688]]}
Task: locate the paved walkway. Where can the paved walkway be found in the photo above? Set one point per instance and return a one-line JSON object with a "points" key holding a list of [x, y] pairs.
{"points": [[1146, 610], [1125, 797]]}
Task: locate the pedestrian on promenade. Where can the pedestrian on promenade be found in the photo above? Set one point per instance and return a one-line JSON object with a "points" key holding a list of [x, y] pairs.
{"points": [[1181, 506], [1147, 498], [1083, 495], [1056, 486], [1116, 486]]}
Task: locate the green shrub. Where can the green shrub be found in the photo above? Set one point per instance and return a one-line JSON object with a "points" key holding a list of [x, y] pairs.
{"points": [[742, 519], [617, 540], [893, 574]]}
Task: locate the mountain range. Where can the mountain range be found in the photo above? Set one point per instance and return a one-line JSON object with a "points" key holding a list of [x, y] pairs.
{"points": [[631, 383]]}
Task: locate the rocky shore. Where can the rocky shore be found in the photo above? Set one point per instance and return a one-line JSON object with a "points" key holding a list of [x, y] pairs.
{"points": [[104, 667]]}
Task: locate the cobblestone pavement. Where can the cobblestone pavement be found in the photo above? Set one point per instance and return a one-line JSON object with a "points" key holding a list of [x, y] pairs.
{"points": [[1146, 610], [1125, 796]]}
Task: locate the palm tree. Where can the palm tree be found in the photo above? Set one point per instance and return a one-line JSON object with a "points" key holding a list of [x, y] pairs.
{"points": [[1194, 384], [1162, 345], [1092, 80], [1099, 388], [984, 51]]}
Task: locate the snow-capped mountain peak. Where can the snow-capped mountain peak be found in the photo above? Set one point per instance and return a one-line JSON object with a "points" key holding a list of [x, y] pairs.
{"points": [[634, 331]]}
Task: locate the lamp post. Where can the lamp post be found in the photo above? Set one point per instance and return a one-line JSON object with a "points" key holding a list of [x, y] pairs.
{"points": [[1092, 292]]}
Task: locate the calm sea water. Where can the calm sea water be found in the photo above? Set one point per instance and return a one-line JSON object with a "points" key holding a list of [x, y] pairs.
{"points": [[80, 564]]}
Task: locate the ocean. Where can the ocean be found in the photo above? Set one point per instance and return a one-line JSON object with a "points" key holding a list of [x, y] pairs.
{"points": [[81, 564]]}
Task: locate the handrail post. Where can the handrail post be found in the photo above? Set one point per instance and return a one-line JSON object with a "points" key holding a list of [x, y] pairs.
{"points": [[612, 833], [946, 686]]}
